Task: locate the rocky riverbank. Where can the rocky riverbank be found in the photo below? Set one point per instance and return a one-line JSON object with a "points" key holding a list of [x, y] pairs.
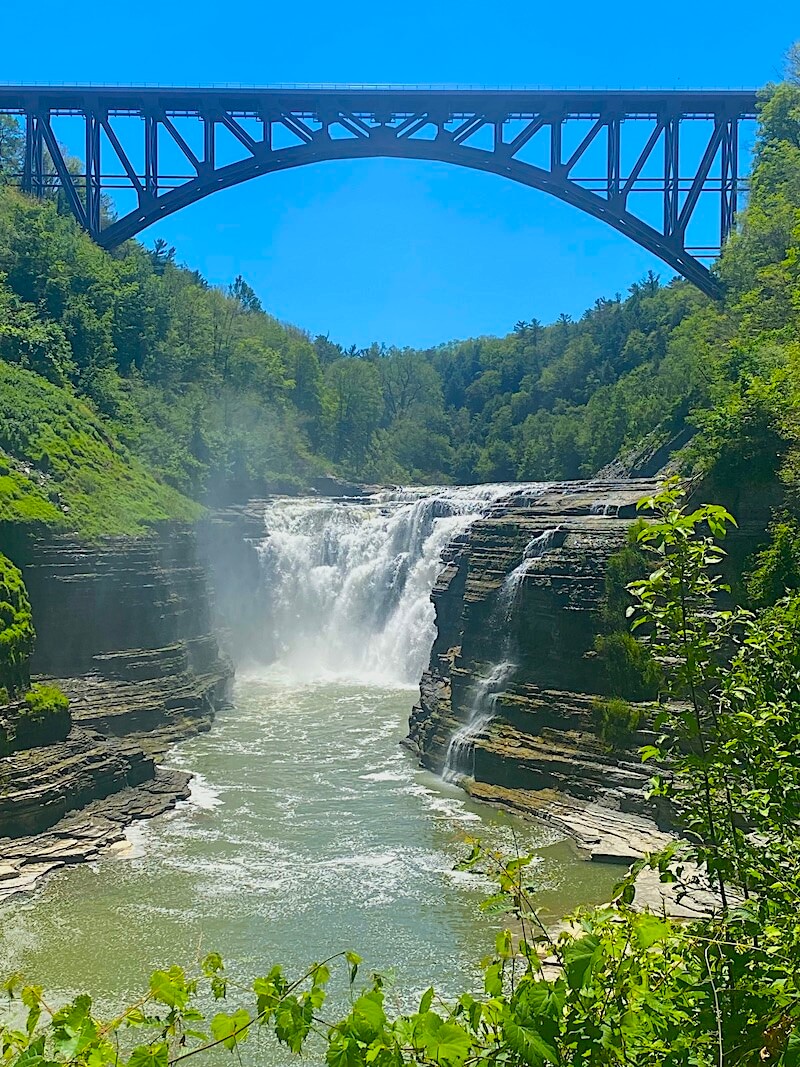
{"points": [[124, 628], [524, 587]]}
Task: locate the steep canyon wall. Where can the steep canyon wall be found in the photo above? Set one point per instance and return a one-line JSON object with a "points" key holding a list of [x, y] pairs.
{"points": [[524, 586], [124, 628]]}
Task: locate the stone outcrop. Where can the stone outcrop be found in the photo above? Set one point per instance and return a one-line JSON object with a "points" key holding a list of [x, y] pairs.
{"points": [[41, 785], [82, 835], [124, 629], [540, 752]]}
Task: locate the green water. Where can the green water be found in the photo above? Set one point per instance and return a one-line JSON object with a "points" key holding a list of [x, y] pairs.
{"points": [[310, 831]]}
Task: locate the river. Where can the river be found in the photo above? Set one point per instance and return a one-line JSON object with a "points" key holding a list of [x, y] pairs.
{"points": [[310, 829]]}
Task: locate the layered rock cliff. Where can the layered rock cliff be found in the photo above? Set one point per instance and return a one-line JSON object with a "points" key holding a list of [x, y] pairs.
{"points": [[124, 629], [523, 587]]}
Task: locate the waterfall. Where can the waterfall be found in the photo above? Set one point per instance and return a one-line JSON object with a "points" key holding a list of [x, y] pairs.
{"points": [[460, 757], [599, 508], [349, 583], [509, 590]]}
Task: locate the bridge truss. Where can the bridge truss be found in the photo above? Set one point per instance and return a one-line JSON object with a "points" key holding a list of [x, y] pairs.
{"points": [[643, 162]]}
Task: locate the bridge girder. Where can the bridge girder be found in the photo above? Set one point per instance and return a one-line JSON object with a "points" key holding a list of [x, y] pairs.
{"points": [[486, 130]]}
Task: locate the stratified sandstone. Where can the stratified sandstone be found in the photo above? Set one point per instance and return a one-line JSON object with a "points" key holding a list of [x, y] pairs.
{"points": [[124, 628], [540, 754]]}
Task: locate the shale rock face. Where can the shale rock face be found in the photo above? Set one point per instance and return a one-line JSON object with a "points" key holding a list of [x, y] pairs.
{"points": [[124, 628], [524, 585]]}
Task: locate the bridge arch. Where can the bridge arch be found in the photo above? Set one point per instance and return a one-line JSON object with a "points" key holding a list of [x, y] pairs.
{"points": [[389, 123], [525, 174]]}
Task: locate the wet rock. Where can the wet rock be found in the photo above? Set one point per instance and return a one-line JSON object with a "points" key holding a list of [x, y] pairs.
{"points": [[85, 834], [540, 753]]}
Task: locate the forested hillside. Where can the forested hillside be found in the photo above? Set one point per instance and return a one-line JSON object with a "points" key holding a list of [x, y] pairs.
{"points": [[215, 398]]}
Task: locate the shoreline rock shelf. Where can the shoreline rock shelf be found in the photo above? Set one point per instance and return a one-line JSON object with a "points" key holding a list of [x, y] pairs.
{"points": [[84, 834], [124, 629]]}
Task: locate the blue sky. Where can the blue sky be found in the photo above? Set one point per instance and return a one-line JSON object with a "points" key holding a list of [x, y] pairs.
{"points": [[395, 250]]}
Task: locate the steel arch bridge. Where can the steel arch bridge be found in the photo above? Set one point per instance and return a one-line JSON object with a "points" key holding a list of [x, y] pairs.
{"points": [[597, 150]]}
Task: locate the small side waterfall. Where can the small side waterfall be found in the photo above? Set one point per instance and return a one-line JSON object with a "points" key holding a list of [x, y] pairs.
{"points": [[509, 590], [460, 758]]}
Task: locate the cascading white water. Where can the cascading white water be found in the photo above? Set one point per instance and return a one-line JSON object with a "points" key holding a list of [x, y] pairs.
{"points": [[349, 583], [509, 590], [460, 757]]}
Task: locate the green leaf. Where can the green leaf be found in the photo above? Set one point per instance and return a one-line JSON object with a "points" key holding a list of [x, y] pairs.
{"points": [[150, 1055], [493, 980], [427, 1000], [73, 1028], [529, 1044], [502, 944], [169, 987], [628, 893], [212, 963], [578, 959], [231, 1030], [445, 1042], [344, 1052], [791, 1057], [33, 1055], [353, 959], [542, 999], [368, 1016], [649, 929]]}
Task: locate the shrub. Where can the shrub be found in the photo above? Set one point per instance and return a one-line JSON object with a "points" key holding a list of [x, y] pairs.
{"points": [[628, 667], [616, 721], [776, 569], [16, 628], [43, 700], [44, 718], [628, 564]]}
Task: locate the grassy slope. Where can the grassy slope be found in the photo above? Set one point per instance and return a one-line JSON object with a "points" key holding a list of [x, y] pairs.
{"points": [[60, 467]]}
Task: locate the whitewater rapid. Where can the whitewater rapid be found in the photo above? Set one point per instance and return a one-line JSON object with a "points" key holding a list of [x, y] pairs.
{"points": [[349, 582]]}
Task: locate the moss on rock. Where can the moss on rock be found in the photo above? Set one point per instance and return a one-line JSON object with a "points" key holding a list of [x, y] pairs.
{"points": [[16, 629]]}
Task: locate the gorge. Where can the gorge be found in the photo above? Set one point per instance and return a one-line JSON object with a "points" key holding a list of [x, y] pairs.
{"points": [[303, 797], [287, 624]]}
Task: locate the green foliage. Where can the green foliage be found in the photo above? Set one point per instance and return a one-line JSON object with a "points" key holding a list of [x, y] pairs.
{"points": [[12, 146], [16, 630], [43, 700], [617, 722], [629, 669], [63, 467], [215, 396], [776, 568], [624, 566], [628, 666]]}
